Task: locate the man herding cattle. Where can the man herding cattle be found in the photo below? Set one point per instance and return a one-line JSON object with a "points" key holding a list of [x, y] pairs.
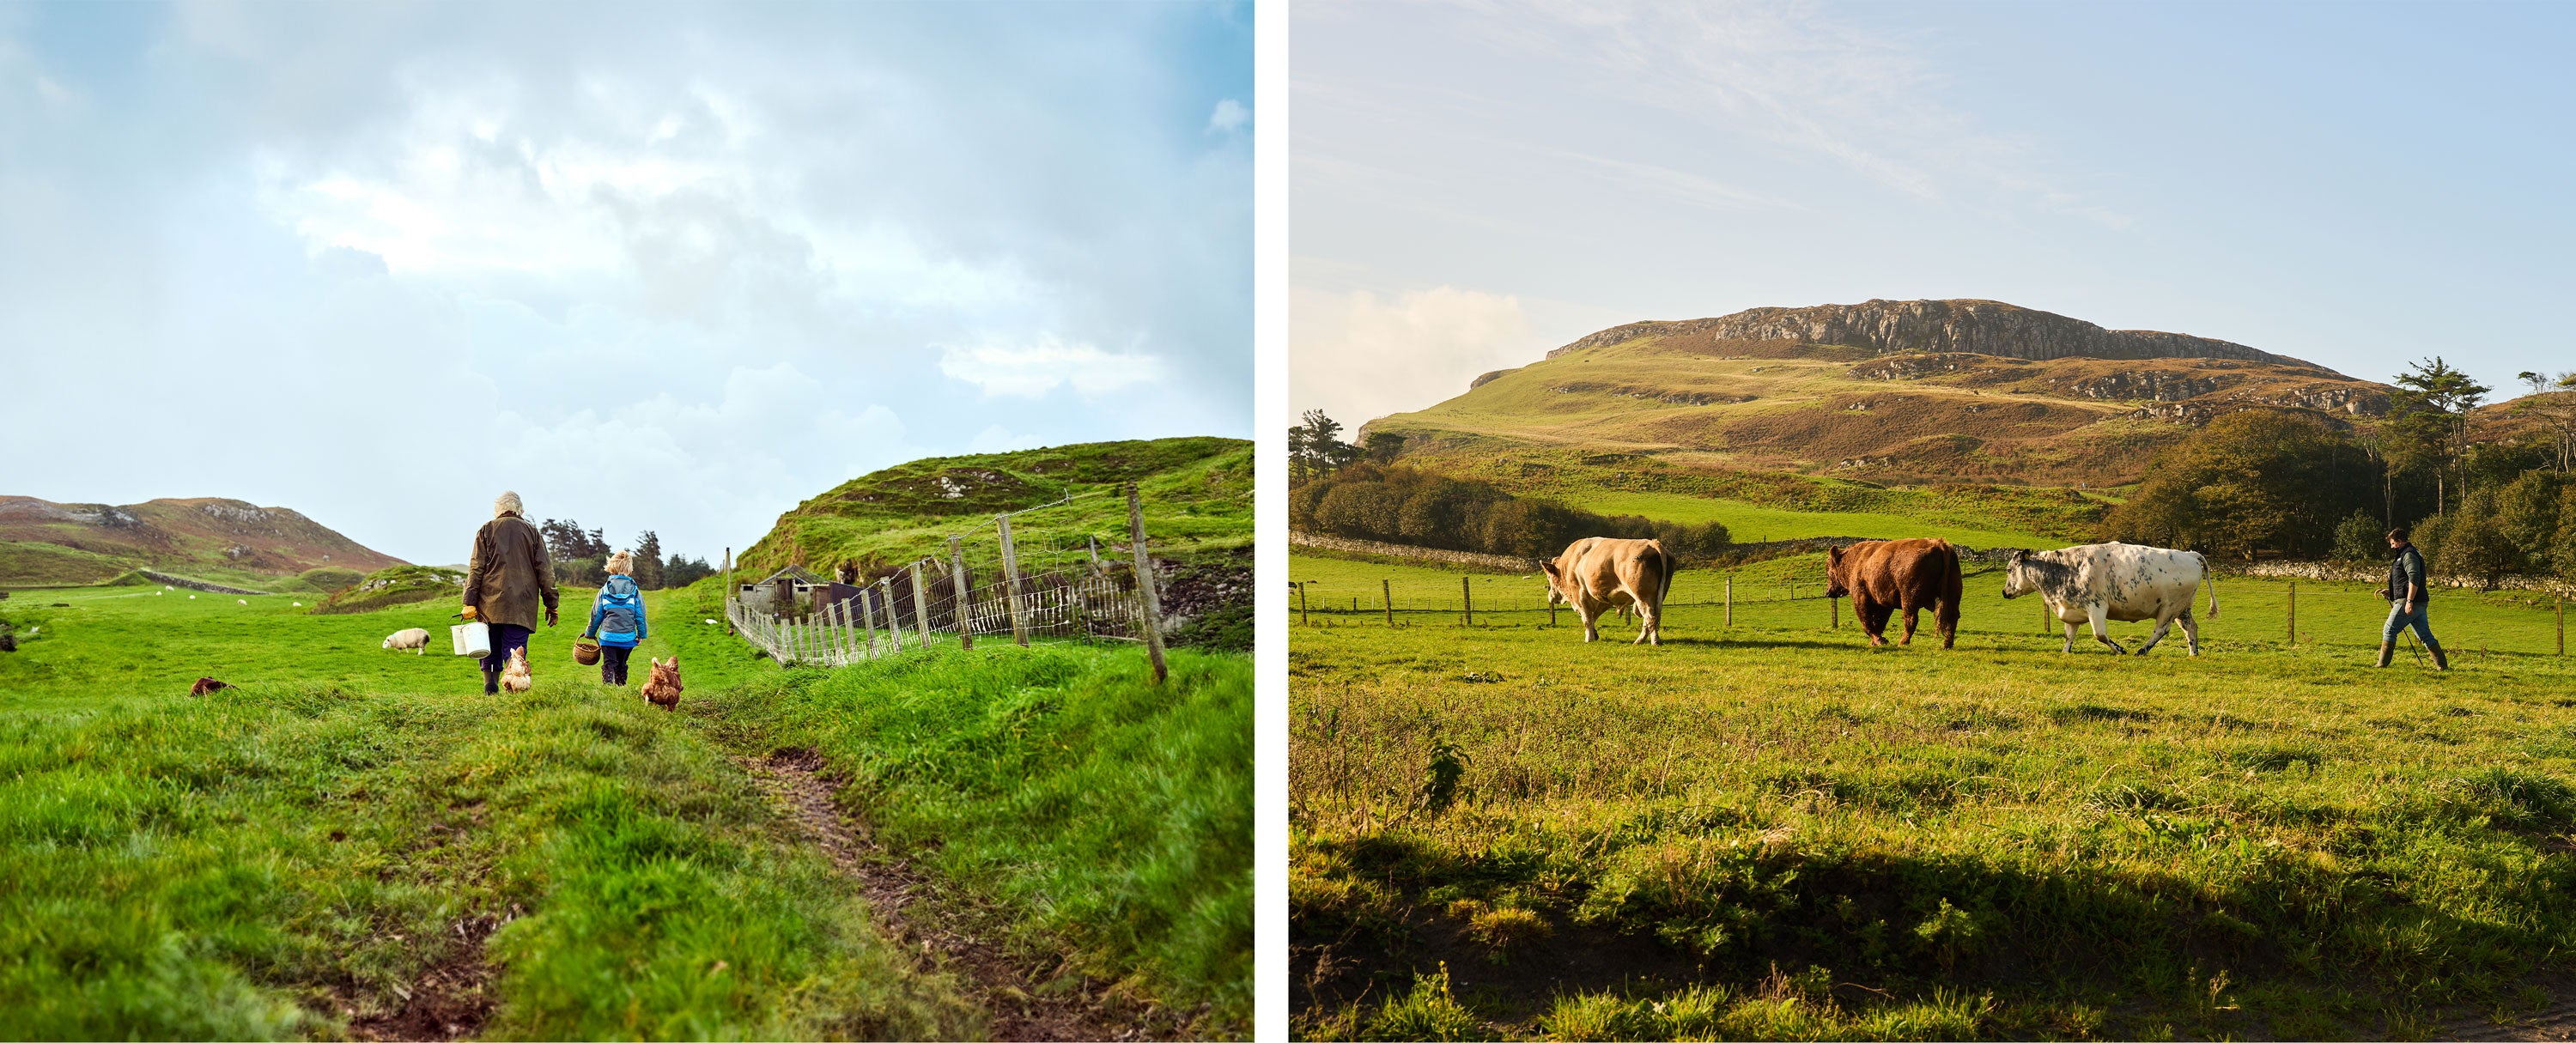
{"points": [[1883, 576], [2121, 581], [2407, 600], [1597, 573]]}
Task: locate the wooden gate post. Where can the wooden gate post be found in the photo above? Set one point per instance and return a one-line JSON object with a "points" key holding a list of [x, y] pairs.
{"points": [[1386, 589], [920, 605], [1145, 584], [964, 610], [1011, 578]]}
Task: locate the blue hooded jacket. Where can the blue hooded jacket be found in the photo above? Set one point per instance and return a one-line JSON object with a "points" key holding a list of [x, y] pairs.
{"points": [[617, 618]]}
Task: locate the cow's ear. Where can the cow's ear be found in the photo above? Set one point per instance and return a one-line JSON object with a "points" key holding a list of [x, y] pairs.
{"points": [[1549, 566], [1833, 554]]}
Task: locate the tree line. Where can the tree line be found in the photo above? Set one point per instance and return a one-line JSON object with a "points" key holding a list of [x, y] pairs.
{"points": [[1395, 504], [581, 557], [2295, 484]]}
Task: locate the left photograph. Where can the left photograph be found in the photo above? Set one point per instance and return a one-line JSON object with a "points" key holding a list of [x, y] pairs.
{"points": [[626, 522]]}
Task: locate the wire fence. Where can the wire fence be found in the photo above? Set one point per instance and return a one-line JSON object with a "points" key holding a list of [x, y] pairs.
{"points": [[2269, 611], [992, 582]]}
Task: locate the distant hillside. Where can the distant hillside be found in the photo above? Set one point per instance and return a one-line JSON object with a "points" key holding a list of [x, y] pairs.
{"points": [[1197, 494], [1975, 326], [2034, 409], [43, 543]]}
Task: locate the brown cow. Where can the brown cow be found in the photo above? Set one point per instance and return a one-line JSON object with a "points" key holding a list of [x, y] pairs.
{"points": [[1596, 574], [1882, 576]]}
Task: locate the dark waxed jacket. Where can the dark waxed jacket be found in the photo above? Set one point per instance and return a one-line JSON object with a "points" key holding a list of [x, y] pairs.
{"points": [[510, 573]]}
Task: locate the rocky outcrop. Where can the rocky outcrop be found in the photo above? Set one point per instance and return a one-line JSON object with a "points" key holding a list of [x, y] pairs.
{"points": [[1980, 327], [1486, 378]]}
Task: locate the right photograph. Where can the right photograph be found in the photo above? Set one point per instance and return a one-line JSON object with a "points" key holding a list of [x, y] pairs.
{"points": [[1931, 522]]}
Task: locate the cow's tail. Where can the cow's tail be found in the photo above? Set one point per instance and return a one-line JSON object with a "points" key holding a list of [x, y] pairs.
{"points": [[1670, 565], [2210, 576]]}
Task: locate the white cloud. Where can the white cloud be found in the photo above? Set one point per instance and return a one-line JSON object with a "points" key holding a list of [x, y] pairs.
{"points": [[1230, 116], [1360, 357], [1031, 370]]}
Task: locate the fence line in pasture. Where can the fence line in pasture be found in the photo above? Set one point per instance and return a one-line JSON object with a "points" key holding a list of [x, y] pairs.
{"points": [[987, 585], [2252, 608]]}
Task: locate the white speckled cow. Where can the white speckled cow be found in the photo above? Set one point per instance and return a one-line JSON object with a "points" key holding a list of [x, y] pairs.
{"points": [[2121, 581]]}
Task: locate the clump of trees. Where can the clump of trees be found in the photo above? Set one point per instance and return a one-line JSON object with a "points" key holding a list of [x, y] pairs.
{"points": [[1397, 504], [2294, 483], [581, 557]]}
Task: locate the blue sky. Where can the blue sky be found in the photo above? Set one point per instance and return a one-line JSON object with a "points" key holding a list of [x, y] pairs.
{"points": [[674, 267], [2359, 185]]}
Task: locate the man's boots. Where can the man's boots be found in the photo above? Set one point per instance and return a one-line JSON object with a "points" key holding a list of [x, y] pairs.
{"points": [[2386, 649], [2440, 661]]}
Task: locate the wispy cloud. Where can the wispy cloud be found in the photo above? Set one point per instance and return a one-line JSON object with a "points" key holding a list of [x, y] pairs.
{"points": [[1030, 370]]}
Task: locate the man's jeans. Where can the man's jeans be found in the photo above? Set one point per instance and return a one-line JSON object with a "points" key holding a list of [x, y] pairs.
{"points": [[2399, 619]]}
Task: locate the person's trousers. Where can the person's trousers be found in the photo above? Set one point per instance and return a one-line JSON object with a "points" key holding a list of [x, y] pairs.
{"points": [[505, 636], [612, 664], [2399, 619]]}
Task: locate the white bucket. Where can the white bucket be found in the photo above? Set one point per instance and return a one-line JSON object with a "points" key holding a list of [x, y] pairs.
{"points": [[474, 639]]}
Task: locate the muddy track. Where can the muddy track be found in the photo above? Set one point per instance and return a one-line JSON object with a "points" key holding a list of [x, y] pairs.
{"points": [[1026, 998], [450, 1000]]}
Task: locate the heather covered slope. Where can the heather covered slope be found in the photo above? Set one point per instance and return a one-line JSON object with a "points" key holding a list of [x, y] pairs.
{"points": [[1697, 400], [43, 543]]}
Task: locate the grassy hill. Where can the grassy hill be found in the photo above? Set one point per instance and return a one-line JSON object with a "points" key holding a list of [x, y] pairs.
{"points": [[1197, 494], [47, 544], [1850, 412]]}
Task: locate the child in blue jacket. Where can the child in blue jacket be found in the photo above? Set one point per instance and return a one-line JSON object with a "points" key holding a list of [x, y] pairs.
{"points": [[617, 618]]}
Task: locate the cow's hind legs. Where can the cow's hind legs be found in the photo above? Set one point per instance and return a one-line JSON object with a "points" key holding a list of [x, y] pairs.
{"points": [[1911, 611], [1650, 626], [2069, 646], [1591, 632], [1948, 617], [2162, 626], [2190, 632]]}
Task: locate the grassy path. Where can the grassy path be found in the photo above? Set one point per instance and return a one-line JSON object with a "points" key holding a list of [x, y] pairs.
{"points": [[359, 842]]}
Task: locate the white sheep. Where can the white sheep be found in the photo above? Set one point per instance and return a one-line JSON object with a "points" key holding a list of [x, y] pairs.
{"points": [[239, 601], [415, 639]]}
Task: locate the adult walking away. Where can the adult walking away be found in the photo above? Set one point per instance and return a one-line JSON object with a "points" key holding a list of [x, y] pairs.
{"points": [[509, 575], [2407, 600]]}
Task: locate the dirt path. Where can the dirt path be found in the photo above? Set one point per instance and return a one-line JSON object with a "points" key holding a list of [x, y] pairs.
{"points": [[451, 1000], [1026, 1001]]}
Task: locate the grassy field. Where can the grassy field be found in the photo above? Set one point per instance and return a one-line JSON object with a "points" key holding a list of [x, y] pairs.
{"points": [[306, 853], [1771, 831], [1756, 523]]}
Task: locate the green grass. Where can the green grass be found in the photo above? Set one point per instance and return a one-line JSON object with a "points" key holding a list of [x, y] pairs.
{"points": [[1755, 523], [283, 858], [1772, 831]]}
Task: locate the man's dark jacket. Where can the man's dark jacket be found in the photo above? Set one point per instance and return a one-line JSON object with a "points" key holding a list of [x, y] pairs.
{"points": [[2406, 573]]}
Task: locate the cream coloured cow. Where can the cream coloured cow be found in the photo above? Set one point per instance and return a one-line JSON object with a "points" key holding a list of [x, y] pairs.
{"points": [[1597, 574], [2122, 581]]}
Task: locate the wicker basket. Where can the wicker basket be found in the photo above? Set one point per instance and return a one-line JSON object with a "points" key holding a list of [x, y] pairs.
{"points": [[585, 651]]}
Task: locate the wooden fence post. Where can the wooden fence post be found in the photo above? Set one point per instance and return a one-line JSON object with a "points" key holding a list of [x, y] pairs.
{"points": [[1301, 603], [1834, 612], [1386, 589], [2562, 625], [894, 613], [728, 588], [1730, 601], [1145, 584], [1467, 600], [868, 614], [920, 605], [965, 608], [1011, 578], [2294, 611]]}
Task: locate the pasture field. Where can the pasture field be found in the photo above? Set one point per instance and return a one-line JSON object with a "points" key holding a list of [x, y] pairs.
{"points": [[358, 842], [1773, 831], [1756, 523]]}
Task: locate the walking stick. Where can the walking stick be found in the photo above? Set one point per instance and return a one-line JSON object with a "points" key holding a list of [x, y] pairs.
{"points": [[2411, 647]]}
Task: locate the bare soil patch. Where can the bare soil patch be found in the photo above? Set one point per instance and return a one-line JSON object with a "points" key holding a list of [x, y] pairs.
{"points": [[451, 1000], [1028, 996]]}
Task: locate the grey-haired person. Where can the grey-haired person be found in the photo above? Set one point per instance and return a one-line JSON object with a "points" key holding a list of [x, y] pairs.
{"points": [[2407, 600], [506, 581]]}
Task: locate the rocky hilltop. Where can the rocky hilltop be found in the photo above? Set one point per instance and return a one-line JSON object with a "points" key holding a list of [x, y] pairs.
{"points": [[1972, 326]]}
